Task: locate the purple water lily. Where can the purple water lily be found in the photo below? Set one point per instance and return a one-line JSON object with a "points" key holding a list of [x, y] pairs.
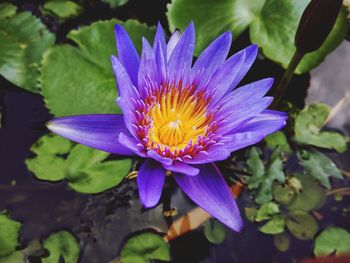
{"points": [[181, 118]]}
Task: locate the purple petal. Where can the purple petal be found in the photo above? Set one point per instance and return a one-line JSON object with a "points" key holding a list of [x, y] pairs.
{"points": [[161, 64], [127, 108], [241, 113], [244, 95], [127, 53], [174, 39], [180, 167], [266, 123], [131, 144], [210, 59], [180, 60], [125, 87], [213, 154], [99, 131], [150, 181], [209, 190], [163, 160], [250, 55], [159, 39], [241, 140], [148, 69], [221, 80]]}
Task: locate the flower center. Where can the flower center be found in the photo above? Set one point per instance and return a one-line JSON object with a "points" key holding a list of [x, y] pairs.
{"points": [[178, 116]]}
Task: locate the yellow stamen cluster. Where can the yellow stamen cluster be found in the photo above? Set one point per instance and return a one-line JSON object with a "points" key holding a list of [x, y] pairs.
{"points": [[178, 116]]}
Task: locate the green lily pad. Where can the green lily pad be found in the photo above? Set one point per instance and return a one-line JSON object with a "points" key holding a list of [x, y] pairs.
{"points": [[80, 80], [115, 3], [332, 240], [319, 166], [9, 236], [23, 41], [284, 195], [302, 225], [214, 231], [49, 163], [262, 179], [274, 30], [15, 257], [212, 19], [63, 8], [250, 213], [308, 125], [85, 168], [61, 244], [7, 10], [145, 247], [281, 242], [266, 211], [311, 197], [274, 226], [278, 140]]}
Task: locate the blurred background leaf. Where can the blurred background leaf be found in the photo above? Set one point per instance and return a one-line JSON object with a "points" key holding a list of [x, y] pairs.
{"points": [[80, 80], [23, 41]]}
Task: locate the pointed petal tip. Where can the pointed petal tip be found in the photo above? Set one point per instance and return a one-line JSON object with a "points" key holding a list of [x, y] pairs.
{"points": [[209, 191], [118, 28], [150, 181]]}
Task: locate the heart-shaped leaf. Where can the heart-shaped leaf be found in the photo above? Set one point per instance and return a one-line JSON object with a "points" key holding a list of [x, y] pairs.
{"points": [[23, 41], [274, 30], [9, 236], [212, 19], [332, 240], [61, 245], [80, 80], [144, 247], [85, 168]]}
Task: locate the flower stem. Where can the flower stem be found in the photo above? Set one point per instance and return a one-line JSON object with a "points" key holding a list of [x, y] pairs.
{"points": [[283, 84]]}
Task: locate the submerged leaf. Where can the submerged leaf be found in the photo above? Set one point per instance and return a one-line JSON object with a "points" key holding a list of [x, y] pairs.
{"points": [[262, 179], [214, 231], [281, 242], [308, 124], [145, 247], [319, 166], [278, 140], [9, 235], [284, 195], [311, 196], [61, 244], [85, 168], [332, 240], [80, 80], [302, 225], [23, 41], [250, 213]]}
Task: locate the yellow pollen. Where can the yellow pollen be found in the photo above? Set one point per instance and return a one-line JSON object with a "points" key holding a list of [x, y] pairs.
{"points": [[178, 116]]}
